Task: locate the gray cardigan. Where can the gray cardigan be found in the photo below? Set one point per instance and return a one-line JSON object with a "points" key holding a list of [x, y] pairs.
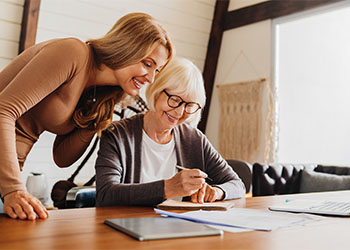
{"points": [[118, 164]]}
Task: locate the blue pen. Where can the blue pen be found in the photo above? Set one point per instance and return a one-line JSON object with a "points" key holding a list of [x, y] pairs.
{"points": [[182, 168]]}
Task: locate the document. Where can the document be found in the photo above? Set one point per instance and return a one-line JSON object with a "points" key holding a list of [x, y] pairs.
{"points": [[245, 218], [187, 205]]}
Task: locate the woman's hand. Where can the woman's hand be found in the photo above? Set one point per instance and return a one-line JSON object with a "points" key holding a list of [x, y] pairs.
{"points": [[207, 194], [22, 205], [184, 183]]}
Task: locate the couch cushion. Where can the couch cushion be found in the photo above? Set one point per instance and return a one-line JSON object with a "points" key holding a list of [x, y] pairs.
{"points": [[312, 181], [277, 178], [333, 169]]}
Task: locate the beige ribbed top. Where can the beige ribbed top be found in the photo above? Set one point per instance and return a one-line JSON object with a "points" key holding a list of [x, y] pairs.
{"points": [[39, 91]]}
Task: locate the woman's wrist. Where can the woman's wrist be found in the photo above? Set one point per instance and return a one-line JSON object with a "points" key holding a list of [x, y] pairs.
{"points": [[167, 189]]}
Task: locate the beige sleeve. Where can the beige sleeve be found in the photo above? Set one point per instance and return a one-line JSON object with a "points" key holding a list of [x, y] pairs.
{"points": [[22, 86], [69, 148]]}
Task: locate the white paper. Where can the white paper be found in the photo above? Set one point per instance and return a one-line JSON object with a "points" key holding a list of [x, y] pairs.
{"points": [[244, 218]]}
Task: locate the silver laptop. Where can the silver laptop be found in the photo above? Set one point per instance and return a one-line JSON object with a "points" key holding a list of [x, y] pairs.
{"points": [[314, 207], [152, 228]]}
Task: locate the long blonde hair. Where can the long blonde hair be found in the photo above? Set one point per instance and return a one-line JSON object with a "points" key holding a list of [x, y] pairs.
{"points": [[132, 38]]}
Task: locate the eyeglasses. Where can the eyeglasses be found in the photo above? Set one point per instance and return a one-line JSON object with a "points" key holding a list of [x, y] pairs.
{"points": [[175, 101]]}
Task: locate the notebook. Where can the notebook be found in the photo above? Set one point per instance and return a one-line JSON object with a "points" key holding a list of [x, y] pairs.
{"points": [[314, 207], [152, 228], [187, 205]]}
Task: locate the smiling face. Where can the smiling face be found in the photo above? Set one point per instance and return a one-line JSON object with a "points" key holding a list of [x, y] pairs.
{"points": [[131, 78], [167, 117]]}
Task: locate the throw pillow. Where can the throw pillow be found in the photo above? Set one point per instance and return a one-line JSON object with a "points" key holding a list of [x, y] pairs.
{"points": [[312, 181]]}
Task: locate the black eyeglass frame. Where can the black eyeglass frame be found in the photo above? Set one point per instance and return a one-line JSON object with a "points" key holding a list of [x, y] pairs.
{"points": [[180, 103]]}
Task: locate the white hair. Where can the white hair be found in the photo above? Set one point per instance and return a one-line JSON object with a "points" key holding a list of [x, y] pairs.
{"points": [[182, 77]]}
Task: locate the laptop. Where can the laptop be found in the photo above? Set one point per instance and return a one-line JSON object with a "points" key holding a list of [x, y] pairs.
{"points": [[314, 207], [152, 228]]}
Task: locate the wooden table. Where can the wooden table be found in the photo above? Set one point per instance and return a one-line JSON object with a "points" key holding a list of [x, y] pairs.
{"points": [[84, 229]]}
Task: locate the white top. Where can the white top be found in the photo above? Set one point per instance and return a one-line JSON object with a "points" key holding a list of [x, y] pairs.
{"points": [[158, 160]]}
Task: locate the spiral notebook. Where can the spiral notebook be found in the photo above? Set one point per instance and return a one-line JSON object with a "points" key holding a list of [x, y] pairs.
{"points": [[152, 228]]}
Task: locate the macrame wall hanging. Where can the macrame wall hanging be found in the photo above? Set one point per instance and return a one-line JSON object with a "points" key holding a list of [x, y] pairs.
{"points": [[240, 119]]}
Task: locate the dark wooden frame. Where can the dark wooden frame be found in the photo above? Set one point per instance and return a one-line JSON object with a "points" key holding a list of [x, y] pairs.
{"points": [[225, 20], [29, 24]]}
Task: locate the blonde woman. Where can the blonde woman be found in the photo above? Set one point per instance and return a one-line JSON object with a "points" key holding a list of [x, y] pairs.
{"points": [[138, 157], [69, 88]]}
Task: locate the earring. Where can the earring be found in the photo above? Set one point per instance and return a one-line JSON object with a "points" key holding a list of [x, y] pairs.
{"points": [[94, 98]]}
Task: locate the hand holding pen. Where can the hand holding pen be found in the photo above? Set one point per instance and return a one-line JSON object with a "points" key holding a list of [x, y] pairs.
{"points": [[206, 193], [184, 183], [183, 168]]}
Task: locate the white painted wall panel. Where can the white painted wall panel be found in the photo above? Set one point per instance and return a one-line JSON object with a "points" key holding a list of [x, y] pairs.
{"points": [[188, 22], [10, 27], [10, 31], [237, 4], [82, 29], [4, 62], [11, 11], [196, 8], [18, 2], [8, 49]]}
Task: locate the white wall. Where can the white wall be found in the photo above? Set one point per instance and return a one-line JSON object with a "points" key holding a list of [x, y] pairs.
{"points": [[245, 55], [188, 22], [10, 29], [237, 4]]}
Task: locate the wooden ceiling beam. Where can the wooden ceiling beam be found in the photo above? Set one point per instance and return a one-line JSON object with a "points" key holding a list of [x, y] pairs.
{"points": [[29, 24], [269, 10], [212, 56]]}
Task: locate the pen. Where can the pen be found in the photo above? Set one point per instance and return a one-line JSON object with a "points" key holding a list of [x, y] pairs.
{"points": [[182, 168]]}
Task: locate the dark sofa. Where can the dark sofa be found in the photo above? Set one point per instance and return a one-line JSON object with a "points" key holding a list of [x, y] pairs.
{"points": [[276, 178]]}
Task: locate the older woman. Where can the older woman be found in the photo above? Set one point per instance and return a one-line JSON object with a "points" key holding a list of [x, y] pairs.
{"points": [[138, 157]]}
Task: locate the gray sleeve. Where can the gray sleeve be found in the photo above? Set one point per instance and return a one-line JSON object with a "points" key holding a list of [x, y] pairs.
{"points": [[195, 151], [115, 168], [221, 172]]}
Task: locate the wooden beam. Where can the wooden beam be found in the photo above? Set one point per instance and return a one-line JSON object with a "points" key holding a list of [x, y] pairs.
{"points": [[269, 10], [29, 24], [212, 56]]}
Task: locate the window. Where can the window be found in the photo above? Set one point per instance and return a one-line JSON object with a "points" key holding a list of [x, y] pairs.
{"points": [[311, 73]]}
